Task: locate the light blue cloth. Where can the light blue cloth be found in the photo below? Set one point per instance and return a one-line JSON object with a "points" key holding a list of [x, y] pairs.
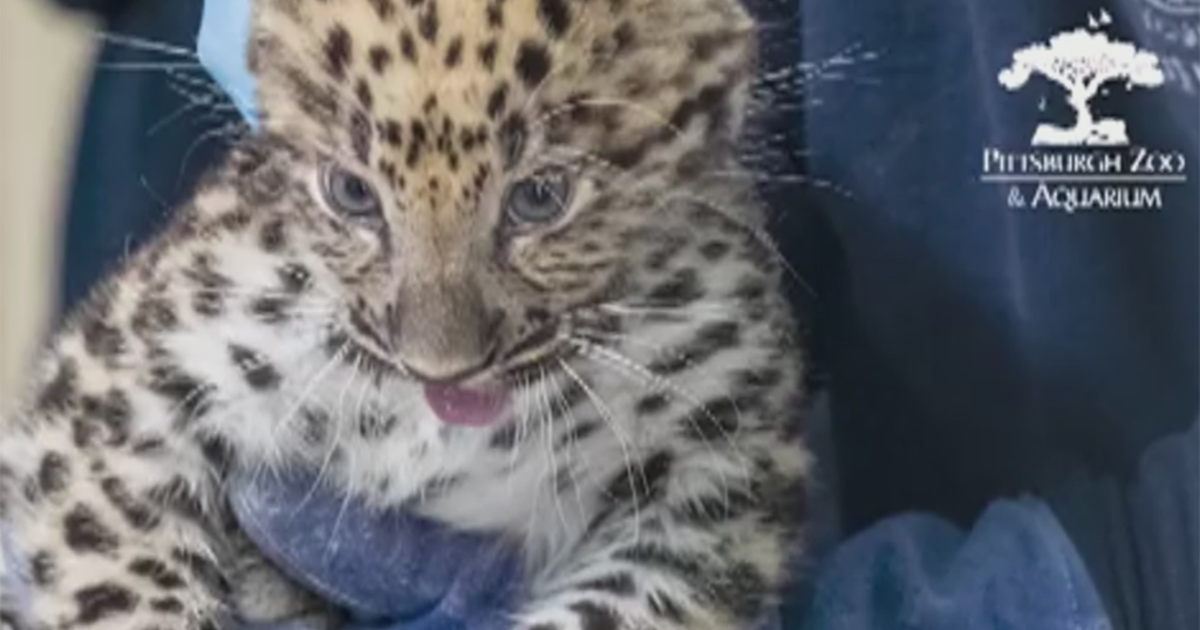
{"points": [[221, 47]]}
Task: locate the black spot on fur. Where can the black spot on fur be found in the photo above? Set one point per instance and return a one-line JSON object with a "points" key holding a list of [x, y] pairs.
{"points": [[487, 54], [512, 139], [379, 58], [681, 289], [60, 394], [385, 9], [505, 438], [53, 473], [201, 569], [716, 419], [392, 133], [668, 248], [83, 432], [113, 411], [43, 569], [497, 100], [84, 533], [555, 16], [255, 368], [711, 339], [579, 432], [153, 315], [148, 446], [533, 63], [408, 46], [315, 425], [623, 37], [714, 250], [8, 617], [454, 53], [739, 589], [362, 91], [294, 277], [270, 309], [757, 379], [136, 513], [360, 137], [438, 487], [189, 397], [208, 302], [641, 483], [102, 340], [337, 51], [690, 569], [235, 220], [428, 23], [594, 616], [495, 14], [617, 584], [7, 479], [704, 511], [103, 600], [169, 605], [376, 426], [362, 325], [157, 572], [177, 495], [651, 404], [665, 607], [218, 452]]}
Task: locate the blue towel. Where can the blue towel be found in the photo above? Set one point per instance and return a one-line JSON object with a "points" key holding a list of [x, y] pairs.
{"points": [[1015, 569], [382, 566]]}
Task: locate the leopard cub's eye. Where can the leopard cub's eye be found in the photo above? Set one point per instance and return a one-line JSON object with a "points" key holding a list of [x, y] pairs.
{"points": [[539, 199], [348, 194]]}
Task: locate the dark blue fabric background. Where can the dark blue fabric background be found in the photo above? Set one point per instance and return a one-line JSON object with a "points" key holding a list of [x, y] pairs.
{"points": [[971, 351], [976, 350]]}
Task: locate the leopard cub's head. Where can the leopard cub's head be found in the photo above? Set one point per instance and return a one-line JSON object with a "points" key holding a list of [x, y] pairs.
{"points": [[480, 172]]}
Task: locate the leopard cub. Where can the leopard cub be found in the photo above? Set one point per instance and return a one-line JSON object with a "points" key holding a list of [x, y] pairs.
{"points": [[490, 261]]}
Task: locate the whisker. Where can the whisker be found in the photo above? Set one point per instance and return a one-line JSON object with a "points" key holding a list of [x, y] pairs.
{"points": [[759, 235], [544, 420], [172, 117], [552, 459], [337, 436], [143, 66], [623, 365], [712, 307], [139, 43], [226, 130], [308, 388], [611, 422], [572, 448]]}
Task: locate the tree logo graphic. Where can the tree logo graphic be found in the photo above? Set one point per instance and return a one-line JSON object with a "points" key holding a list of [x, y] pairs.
{"points": [[1082, 61]]}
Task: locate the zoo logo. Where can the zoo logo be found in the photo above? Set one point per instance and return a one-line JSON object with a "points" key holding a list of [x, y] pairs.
{"points": [[1079, 167]]}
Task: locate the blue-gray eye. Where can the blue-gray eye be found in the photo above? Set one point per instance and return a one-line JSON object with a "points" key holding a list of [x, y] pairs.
{"points": [[539, 199], [349, 194]]}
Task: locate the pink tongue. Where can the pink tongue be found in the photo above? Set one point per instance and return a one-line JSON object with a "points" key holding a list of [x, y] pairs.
{"points": [[471, 407]]}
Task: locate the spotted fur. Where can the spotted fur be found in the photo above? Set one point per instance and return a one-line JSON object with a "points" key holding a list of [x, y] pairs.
{"points": [[651, 461]]}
